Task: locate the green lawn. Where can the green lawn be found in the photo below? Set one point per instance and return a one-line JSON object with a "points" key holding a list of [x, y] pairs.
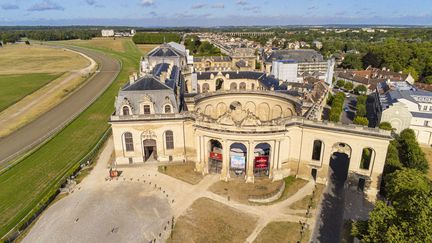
{"points": [[15, 87], [32, 180]]}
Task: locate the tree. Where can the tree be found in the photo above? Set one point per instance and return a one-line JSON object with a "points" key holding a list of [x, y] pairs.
{"points": [[352, 61], [360, 89], [385, 126], [410, 153], [340, 83], [371, 59], [428, 79], [348, 86], [359, 120]]}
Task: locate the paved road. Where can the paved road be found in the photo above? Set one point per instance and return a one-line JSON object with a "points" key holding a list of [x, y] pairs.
{"points": [[347, 117], [330, 220], [38, 130]]}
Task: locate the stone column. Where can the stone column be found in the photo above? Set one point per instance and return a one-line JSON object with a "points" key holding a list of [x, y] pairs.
{"points": [[198, 163], [250, 166], [225, 161], [205, 154], [277, 175], [273, 159]]}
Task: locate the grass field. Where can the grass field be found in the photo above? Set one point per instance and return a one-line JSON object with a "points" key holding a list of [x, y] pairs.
{"points": [[144, 48], [184, 172], [20, 59], [282, 232], [109, 44], [210, 221], [15, 87], [35, 178]]}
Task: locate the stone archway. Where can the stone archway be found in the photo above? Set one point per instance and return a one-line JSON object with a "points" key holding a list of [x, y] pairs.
{"points": [[215, 156], [150, 149], [339, 162], [238, 160], [219, 84]]}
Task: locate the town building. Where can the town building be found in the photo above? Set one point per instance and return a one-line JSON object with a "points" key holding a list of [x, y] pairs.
{"points": [[107, 33], [243, 59], [405, 106], [303, 63], [242, 125], [371, 77]]}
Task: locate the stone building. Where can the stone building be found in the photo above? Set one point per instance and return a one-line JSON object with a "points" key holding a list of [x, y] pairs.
{"points": [[242, 59], [247, 128]]}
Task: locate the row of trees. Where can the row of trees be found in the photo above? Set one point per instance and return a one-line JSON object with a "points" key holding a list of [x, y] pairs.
{"points": [[155, 38], [413, 58], [360, 118], [336, 102], [359, 89], [201, 48], [406, 217], [13, 36]]}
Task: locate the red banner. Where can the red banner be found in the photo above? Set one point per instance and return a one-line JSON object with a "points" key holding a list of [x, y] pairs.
{"points": [[216, 156], [261, 161]]}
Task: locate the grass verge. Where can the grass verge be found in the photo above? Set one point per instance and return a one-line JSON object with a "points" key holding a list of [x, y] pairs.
{"points": [[14, 87], [184, 172], [34, 180], [210, 221], [313, 200], [282, 232]]}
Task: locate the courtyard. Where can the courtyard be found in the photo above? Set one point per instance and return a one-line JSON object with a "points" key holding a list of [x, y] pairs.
{"points": [[141, 204]]}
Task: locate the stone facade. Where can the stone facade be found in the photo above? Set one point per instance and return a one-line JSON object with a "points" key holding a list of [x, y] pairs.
{"points": [[242, 133]]}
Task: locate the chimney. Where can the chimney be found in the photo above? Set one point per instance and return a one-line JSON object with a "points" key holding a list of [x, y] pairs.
{"points": [[131, 79]]}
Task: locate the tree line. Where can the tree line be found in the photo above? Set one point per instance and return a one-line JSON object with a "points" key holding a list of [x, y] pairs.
{"points": [[406, 213], [201, 48], [155, 38], [12, 36]]}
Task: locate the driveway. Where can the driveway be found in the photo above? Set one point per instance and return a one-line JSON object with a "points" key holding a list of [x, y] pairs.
{"points": [[41, 128], [350, 103]]}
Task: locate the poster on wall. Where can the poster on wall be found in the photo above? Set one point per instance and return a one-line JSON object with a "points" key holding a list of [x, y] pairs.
{"points": [[238, 162], [261, 162], [216, 156]]}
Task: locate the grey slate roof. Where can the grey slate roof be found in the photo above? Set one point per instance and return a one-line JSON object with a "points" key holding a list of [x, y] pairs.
{"points": [[146, 83], [165, 50], [422, 115], [232, 75], [303, 55]]}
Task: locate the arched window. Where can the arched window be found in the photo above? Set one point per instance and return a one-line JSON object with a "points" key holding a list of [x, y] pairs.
{"points": [[205, 87], [219, 83], [167, 109], [317, 147], [242, 86], [126, 111], [128, 141], [233, 86], [366, 158], [252, 86], [169, 140]]}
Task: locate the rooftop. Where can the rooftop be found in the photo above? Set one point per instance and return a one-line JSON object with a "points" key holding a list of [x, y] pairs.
{"points": [[303, 55]]}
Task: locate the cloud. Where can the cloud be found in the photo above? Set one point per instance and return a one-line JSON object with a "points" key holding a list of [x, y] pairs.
{"points": [[90, 2], [254, 9], [199, 6], [218, 5], [312, 8], [147, 3], [9, 6], [242, 2], [45, 5], [153, 14]]}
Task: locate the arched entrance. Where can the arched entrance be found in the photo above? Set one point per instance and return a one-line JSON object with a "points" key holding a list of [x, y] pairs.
{"points": [[262, 159], [339, 163], [215, 156], [219, 84], [150, 149], [238, 155]]}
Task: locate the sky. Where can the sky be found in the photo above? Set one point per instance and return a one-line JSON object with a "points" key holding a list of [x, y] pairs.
{"points": [[204, 13]]}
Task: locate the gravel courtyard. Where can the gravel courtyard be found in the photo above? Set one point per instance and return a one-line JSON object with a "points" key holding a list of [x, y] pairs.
{"points": [[101, 211]]}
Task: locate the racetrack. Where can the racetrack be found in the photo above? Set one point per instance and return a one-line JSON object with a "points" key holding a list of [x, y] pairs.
{"points": [[52, 121]]}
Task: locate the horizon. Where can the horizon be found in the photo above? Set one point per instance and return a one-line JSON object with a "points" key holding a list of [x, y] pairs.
{"points": [[169, 13]]}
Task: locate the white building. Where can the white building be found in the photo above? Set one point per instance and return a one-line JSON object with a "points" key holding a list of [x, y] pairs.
{"points": [[107, 33], [285, 70], [405, 106]]}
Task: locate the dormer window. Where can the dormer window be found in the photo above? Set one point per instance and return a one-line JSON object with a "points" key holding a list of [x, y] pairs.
{"points": [[146, 109], [167, 109], [126, 111]]}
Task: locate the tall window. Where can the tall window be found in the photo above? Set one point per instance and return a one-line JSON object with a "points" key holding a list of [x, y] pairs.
{"points": [[242, 86], [366, 158], [205, 87], [252, 86], [128, 141], [169, 140], [167, 109], [126, 111], [233, 86], [316, 153], [146, 109]]}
